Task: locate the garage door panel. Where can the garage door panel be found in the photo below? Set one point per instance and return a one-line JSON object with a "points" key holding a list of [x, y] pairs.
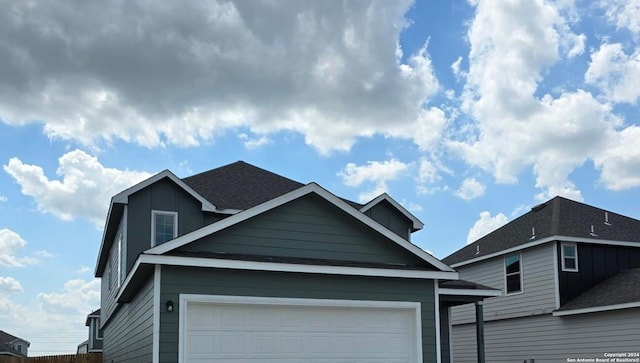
{"points": [[236, 332]]}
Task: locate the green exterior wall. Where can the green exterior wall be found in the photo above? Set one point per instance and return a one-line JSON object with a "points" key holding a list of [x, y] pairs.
{"points": [[166, 196], [128, 336], [177, 280], [388, 216], [308, 227]]}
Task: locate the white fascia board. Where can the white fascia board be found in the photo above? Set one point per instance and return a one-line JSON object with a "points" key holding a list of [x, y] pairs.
{"points": [[471, 292], [127, 280], [123, 197], [417, 224], [546, 240], [596, 309], [289, 267], [102, 241], [285, 198]]}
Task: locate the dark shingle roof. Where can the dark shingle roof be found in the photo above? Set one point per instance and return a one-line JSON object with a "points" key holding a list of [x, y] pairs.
{"points": [[557, 217], [621, 288], [240, 185]]}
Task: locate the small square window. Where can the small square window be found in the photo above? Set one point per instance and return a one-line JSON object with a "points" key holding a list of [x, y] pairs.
{"points": [[569, 257], [513, 274], [164, 227]]}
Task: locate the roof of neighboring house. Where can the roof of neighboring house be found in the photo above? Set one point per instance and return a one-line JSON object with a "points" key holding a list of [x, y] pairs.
{"points": [[93, 314], [557, 217], [5, 340], [621, 288], [240, 185]]}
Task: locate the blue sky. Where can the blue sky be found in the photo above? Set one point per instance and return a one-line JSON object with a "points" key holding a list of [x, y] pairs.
{"points": [[468, 113]]}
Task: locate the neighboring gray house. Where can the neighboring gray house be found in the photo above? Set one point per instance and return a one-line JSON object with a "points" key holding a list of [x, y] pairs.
{"points": [[12, 345], [238, 263], [570, 274], [94, 343]]}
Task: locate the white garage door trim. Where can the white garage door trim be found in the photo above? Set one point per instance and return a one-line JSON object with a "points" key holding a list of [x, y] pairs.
{"points": [[186, 299]]}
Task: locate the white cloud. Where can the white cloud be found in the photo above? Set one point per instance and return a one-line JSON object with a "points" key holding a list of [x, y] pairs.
{"points": [[10, 245], [77, 296], [411, 206], [83, 270], [470, 189], [373, 172], [59, 313], [512, 47], [623, 13], [10, 285], [615, 73], [455, 67], [577, 48], [620, 162], [253, 143], [3, 198], [44, 254], [485, 225], [426, 131], [84, 190], [181, 74]]}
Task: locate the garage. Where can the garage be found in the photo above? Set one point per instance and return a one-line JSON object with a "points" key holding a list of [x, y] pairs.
{"points": [[254, 329]]}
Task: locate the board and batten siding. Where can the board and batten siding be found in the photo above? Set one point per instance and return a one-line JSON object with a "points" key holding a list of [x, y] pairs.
{"points": [[538, 284], [176, 281], [163, 195], [387, 215], [308, 227], [128, 337], [549, 339]]}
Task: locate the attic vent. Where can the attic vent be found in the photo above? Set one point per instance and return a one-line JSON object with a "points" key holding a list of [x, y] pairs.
{"points": [[606, 219], [533, 233], [538, 207], [593, 233]]}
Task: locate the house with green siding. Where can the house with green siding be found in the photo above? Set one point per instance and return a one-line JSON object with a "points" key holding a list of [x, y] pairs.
{"points": [[241, 264]]}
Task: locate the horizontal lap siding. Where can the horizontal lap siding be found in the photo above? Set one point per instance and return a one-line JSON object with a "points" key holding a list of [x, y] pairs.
{"points": [[289, 285], [539, 296], [128, 336], [308, 227], [546, 338]]}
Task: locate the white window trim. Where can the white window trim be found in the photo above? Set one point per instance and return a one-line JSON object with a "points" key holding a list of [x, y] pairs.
{"points": [[155, 212], [575, 247], [186, 299], [96, 326], [504, 267]]}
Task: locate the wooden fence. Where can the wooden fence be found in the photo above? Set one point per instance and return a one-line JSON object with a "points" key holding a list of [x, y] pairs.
{"points": [[66, 358]]}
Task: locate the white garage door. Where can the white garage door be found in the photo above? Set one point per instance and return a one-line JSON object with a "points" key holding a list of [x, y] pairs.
{"points": [[232, 329]]}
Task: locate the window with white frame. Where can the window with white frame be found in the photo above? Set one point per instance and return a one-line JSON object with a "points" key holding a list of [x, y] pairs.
{"points": [[513, 274], [98, 331], [164, 226], [569, 257], [120, 257]]}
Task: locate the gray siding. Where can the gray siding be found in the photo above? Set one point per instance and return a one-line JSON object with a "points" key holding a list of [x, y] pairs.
{"points": [[162, 195], [549, 339], [128, 336], [387, 215], [108, 287], [292, 285], [539, 291], [308, 227]]}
